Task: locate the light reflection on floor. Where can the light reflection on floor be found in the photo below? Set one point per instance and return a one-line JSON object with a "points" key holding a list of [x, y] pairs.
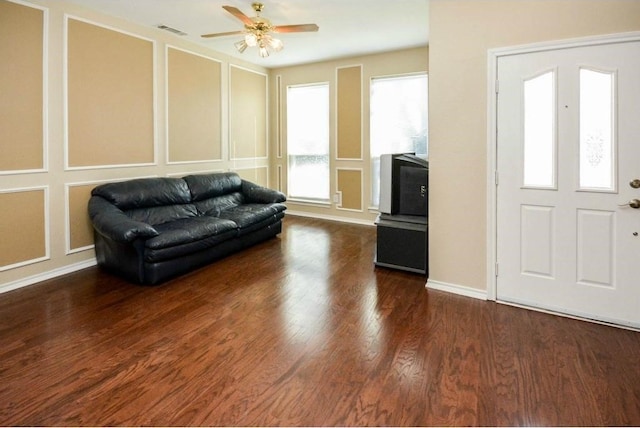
{"points": [[310, 292]]}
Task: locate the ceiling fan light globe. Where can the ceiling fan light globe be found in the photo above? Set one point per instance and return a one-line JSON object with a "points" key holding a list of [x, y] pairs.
{"points": [[264, 52], [276, 44], [241, 46], [251, 39]]}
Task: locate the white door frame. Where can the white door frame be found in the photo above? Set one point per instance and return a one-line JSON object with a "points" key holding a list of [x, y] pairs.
{"points": [[492, 126]]}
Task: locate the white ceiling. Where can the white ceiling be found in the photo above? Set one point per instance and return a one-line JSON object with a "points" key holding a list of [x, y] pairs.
{"points": [[347, 27]]}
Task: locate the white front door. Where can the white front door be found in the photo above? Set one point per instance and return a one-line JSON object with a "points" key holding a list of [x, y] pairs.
{"points": [[568, 152]]}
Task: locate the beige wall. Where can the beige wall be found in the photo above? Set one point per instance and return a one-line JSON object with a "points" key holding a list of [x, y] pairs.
{"points": [[355, 172], [461, 32], [51, 235]]}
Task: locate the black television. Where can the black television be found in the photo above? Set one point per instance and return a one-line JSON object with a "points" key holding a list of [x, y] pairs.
{"points": [[404, 185]]}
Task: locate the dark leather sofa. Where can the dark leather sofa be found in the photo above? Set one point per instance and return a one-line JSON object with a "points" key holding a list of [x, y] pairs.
{"points": [[148, 230]]}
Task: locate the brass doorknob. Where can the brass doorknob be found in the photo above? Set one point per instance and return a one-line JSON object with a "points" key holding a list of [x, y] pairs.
{"points": [[633, 203], [635, 183]]}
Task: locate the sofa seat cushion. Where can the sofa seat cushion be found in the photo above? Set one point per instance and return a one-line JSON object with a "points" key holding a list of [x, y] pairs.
{"points": [[247, 216], [187, 236], [188, 230]]}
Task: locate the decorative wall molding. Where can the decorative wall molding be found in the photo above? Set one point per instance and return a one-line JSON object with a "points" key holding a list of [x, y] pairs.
{"points": [[167, 106], [278, 109], [232, 150], [255, 168], [47, 226], [339, 191], [67, 215], [338, 111], [67, 219], [65, 78], [279, 179], [45, 92], [202, 171]]}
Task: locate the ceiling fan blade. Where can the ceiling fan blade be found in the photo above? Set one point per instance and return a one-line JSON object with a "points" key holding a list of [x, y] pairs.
{"points": [[295, 28], [238, 14], [229, 33]]}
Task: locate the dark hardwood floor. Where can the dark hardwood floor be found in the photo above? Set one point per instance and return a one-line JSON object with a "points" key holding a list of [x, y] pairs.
{"points": [[302, 330]]}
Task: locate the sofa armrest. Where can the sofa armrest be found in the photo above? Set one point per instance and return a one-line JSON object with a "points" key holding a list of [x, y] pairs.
{"points": [[113, 223], [261, 195]]}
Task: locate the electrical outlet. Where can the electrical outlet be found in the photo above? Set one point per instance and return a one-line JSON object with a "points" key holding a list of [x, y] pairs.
{"points": [[336, 198]]}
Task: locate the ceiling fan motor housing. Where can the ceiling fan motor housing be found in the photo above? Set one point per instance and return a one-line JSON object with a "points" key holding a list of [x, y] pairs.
{"points": [[257, 6]]}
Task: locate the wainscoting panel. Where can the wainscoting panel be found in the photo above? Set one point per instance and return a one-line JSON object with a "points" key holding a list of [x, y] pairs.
{"points": [[24, 227], [22, 84], [349, 111], [110, 97], [193, 107], [247, 114], [80, 231], [349, 184], [258, 175]]}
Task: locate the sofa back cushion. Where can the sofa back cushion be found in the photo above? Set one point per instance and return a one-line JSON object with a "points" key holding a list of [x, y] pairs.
{"points": [[162, 214], [213, 206], [207, 186], [145, 193]]}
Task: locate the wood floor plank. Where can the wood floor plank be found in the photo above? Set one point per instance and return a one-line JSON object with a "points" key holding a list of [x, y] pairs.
{"points": [[302, 330]]}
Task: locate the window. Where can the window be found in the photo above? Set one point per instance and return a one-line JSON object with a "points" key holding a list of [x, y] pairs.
{"points": [[398, 121], [539, 131], [308, 142], [597, 119]]}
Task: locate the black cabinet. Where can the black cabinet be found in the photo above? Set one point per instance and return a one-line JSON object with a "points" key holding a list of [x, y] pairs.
{"points": [[402, 243]]}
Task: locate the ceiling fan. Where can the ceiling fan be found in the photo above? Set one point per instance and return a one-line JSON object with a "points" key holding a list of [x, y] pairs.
{"points": [[258, 30]]}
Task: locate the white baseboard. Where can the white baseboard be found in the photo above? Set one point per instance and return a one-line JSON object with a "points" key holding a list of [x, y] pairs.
{"points": [[457, 289], [329, 217], [23, 282]]}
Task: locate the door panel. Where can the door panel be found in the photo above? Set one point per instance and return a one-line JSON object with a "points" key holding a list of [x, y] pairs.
{"points": [[595, 246], [568, 147], [537, 236]]}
